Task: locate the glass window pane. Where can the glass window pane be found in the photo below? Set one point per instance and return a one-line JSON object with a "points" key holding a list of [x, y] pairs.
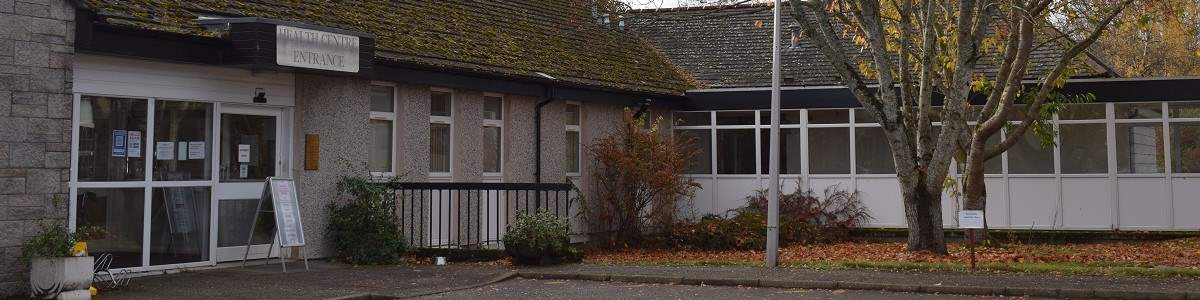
{"points": [[1185, 147], [179, 225], [692, 118], [234, 217], [1140, 148], [1184, 109], [735, 118], [104, 127], [831, 153], [1083, 148], [247, 147], [382, 98], [439, 147], [862, 116], [991, 166], [702, 162], [996, 164], [1139, 110], [872, 153], [572, 114], [187, 125], [789, 151], [439, 103], [491, 149], [1016, 113], [1028, 156], [785, 117], [572, 152], [381, 146], [1082, 112], [735, 151], [493, 108], [117, 214], [828, 116]]}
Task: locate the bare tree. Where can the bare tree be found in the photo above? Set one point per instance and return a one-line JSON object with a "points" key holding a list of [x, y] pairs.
{"points": [[921, 49]]}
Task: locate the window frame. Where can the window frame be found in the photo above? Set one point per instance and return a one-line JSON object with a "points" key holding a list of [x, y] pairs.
{"points": [[497, 124], [447, 120], [390, 117], [147, 184], [578, 130], [1168, 121]]}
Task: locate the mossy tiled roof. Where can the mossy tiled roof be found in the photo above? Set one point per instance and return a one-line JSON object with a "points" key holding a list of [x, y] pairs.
{"points": [[507, 37], [730, 47]]}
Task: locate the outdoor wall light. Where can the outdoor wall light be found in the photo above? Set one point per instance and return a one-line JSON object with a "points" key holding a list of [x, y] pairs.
{"points": [[260, 96]]}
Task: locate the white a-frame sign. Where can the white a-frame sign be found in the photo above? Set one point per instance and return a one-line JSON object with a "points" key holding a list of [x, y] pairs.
{"points": [[285, 206]]}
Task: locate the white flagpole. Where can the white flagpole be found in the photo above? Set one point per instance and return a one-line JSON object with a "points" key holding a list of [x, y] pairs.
{"points": [[773, 182]]}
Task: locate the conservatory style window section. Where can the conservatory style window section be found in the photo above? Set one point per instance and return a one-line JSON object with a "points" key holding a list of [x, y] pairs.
{"points": [[383, 128], [144, 178], [1083, 136], [1185, 137], [440, 123], [1140, 138]]}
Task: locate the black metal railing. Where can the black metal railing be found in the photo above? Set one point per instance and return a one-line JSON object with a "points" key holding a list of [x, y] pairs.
{"points": [[472, 215]]}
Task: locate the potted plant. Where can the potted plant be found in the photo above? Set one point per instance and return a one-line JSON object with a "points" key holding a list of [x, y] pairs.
{"points": [[55, 271]]}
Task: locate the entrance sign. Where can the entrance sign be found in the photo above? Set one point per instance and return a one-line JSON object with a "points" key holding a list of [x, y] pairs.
{"points": [[289, 230], [972, 219], [314, 49]]}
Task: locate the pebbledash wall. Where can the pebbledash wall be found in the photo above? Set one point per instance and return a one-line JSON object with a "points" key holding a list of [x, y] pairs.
{"points": [[36, 39]]}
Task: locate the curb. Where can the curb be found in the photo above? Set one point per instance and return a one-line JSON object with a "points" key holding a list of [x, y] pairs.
{"points": [[848, 285], [498, 278]]}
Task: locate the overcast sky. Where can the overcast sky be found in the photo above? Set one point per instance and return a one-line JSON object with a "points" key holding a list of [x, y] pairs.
{"points": [[653, 3]]}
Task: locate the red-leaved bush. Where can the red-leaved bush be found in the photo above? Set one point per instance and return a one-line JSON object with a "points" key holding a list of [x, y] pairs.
{"points": [[638, 183]]}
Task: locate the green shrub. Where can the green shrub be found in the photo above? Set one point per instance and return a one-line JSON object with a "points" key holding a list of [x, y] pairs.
{"points": [[365, 228], [53, 241], [804, 217], [540, 239]]}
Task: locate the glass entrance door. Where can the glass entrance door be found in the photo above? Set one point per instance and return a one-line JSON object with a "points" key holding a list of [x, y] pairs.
{"points": [[249, 152]]}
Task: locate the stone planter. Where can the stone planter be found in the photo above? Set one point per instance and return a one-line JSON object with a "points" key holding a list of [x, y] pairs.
{"points": [[61, 277]]}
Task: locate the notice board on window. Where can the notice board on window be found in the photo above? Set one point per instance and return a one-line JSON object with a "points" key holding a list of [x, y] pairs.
{"points": [[282, 192]]}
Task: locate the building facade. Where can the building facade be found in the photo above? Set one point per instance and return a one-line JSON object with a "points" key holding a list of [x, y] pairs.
{"points": [[158, 122]]}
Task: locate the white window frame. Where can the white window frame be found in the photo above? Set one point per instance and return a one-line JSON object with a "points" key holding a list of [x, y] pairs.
{"points": [[498, 124], [390, 117], [448, 120], [147, 183], [577, 128]]}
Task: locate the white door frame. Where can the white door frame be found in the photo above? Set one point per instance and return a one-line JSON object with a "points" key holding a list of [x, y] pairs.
{"points": [[241, 190]]}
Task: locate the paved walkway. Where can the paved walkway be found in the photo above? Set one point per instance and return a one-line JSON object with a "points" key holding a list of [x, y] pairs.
{"points": [[905, 281], [322, 281]]}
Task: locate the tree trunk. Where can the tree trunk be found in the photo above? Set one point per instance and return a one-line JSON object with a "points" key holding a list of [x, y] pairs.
{"points": [[974, 187], [923, 211]]}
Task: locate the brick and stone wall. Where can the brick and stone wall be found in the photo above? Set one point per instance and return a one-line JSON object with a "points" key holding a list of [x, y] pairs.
{"points": [[36, 49]]}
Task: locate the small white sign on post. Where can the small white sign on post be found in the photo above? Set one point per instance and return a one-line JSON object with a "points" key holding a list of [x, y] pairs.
{"points": [[970, 219]]}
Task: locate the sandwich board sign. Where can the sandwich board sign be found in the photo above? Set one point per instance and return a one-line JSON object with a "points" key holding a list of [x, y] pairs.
{"points": [[285, 207]]}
